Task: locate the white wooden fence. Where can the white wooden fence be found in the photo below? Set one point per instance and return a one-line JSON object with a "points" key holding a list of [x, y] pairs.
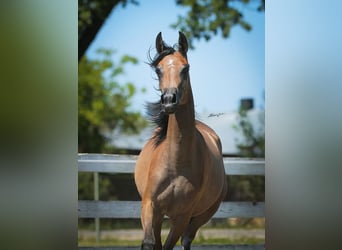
{"points": [[118, 164]]}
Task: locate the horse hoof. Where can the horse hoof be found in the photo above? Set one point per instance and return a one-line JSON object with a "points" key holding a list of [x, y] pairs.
{"points": [[147, 246]]}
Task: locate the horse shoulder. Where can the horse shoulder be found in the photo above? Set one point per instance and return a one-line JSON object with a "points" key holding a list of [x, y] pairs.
{"points": [[148, 174], [142, 167]]}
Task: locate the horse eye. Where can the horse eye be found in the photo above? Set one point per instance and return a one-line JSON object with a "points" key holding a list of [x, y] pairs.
{"points": [[185, 70], [158, 72]]}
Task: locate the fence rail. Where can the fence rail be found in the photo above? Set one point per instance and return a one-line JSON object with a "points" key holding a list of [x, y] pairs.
{"points": [[120, 164], [131, 209], [125, 164]]}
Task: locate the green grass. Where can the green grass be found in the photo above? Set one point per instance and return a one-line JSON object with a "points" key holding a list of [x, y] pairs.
{"points": [[89, 242], [237, 240], [198, 241]]}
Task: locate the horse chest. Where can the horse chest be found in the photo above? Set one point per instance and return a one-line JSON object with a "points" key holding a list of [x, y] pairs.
{"points": [[176, 196]]}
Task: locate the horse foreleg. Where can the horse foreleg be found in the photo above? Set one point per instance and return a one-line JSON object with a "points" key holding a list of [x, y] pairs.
{"points": [[151, 221], [179, 224], [195, 223]]}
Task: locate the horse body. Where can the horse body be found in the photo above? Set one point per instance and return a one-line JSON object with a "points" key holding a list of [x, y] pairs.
{"points": [[179, 172]]}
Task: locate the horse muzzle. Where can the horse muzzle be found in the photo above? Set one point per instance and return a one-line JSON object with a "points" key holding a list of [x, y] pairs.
{"points": [[170, 100]]}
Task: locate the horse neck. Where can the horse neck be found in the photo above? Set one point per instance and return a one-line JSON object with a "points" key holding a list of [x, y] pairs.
{"points": [[181, 129]]}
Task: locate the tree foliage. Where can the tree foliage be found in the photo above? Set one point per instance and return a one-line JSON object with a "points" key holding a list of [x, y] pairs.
{"points": [[91, 16], [253, 143], [204, 19], [103, 103], [207, 18]]}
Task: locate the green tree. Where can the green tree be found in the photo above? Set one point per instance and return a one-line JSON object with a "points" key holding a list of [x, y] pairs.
{"points": [[252, 145], [91, 16], [206, 18], [253, 142], [103, 103]]}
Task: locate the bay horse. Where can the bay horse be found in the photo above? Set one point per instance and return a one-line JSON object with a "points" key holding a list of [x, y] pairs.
{"points": [[179, 172]]}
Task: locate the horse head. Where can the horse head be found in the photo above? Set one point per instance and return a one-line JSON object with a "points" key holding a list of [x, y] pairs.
{"points": [[172, 69]]}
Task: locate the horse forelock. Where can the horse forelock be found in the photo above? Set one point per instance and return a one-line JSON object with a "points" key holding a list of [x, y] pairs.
{"points": [[168, 50]]}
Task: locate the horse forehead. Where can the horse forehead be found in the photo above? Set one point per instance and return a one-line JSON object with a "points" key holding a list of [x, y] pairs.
{"points": [[174, 60]]}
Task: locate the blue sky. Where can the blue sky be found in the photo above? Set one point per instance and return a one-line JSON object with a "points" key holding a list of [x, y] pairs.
{"points": [[222, 70]]}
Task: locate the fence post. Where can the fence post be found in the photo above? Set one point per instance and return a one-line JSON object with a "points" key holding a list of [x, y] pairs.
{"points": [[96, 197]]}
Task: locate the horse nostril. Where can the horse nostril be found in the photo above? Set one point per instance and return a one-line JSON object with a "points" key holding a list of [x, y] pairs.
{"points": [[174, 98]]}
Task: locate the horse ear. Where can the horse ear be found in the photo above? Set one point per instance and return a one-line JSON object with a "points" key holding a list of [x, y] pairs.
{"points": [[159, 43], [182, 43]]}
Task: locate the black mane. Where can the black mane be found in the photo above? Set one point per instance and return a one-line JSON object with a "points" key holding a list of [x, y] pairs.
{"points": [[160, 119], [154, 110]]}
